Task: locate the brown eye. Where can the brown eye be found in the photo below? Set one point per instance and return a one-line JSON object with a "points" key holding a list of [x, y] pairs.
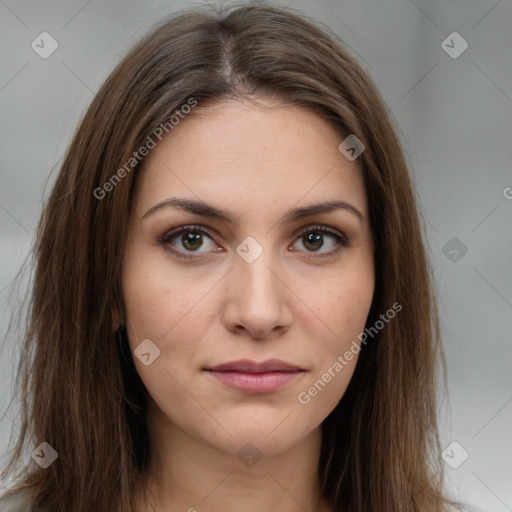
{"points": [[188, 239], [314, 239], [192, 241]]}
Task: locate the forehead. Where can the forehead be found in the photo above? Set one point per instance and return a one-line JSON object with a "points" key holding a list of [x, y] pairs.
{"points": [[240, 154]]}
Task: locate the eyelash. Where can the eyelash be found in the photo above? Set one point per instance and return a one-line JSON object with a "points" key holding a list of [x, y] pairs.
{"points": [[342, 241]]}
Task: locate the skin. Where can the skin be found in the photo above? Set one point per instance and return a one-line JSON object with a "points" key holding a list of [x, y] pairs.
{"points": [[290, 303]]}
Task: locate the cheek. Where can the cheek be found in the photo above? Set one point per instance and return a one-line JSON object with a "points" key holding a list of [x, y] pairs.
{"points": [[164, 308], [174, 309], [161, 301], [342, 305]]}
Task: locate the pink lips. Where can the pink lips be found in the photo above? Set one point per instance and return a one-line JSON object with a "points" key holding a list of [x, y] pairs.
{"points": [[254, 377]]}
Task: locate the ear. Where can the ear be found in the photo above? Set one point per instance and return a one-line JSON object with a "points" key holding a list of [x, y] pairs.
{"points": [[115, 319]]}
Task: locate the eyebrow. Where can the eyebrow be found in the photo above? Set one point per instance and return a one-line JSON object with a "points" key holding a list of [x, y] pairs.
{"points": [[208, 210]]}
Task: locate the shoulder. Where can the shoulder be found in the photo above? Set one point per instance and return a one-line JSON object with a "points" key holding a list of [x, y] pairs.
{"points": [[14, 501]]}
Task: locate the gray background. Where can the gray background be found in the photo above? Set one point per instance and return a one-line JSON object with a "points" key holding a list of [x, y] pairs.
{"points": [[455, 119]]}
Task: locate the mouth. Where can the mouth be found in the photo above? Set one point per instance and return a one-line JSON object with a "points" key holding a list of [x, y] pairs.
{"points": [[253, 377]]}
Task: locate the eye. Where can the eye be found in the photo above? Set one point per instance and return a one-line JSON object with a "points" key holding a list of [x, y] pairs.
{"points": [[191, 240], [186, 241], [313, 240]]}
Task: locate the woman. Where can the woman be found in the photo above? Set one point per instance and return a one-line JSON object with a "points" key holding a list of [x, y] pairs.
{"points": [[231, 305]]}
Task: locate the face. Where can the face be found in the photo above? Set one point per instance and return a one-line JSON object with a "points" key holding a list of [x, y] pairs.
{"points": [[238, 321]]}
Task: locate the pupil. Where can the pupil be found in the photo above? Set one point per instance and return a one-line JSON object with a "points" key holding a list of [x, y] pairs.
{"points": [[191, 241], [314, 238]]}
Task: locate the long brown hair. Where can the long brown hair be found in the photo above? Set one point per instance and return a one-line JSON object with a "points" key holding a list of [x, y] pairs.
{"points": [[81, 393]]}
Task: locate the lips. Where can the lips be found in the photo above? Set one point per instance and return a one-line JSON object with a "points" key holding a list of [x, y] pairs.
{"points": [[255, 377], [247, 366]]}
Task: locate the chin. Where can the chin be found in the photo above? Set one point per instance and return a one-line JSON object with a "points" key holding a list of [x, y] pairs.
{"points": [[267, 436]]}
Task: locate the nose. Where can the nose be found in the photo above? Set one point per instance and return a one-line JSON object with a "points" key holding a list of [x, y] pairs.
{"points": [[257, 299]]}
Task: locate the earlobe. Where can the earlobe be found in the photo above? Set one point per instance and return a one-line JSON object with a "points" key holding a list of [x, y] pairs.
{"points": [[115, 320]]}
